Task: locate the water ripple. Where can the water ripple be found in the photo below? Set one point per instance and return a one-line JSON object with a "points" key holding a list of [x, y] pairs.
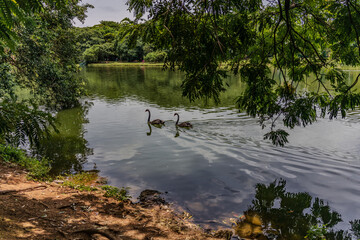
{"points": [[211, 169]]}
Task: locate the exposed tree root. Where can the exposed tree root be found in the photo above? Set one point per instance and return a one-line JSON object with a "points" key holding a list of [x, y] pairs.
{"points": [[92, 231], [37, 201], [21, 190]]}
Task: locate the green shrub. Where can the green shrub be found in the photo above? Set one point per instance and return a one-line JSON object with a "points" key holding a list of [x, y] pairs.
{"points": [[116, 193], [90, 55], [99, 52], [157, 56]]}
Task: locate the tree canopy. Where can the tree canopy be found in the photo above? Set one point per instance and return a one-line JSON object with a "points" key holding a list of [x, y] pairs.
{"points": [[104, 42], [38, 66], [14, 11], [258, 39]]}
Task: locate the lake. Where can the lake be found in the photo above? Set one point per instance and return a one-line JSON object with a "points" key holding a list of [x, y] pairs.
{"points": [[210, 170]]}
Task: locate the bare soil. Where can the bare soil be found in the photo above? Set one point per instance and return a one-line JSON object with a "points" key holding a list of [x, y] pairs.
{"points": [[39, 210]]}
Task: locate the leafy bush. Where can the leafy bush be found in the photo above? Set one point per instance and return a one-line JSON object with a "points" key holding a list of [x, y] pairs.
{"points": [[116, 193], [91, 54], [129, 52], [99, 52], [157, 56]]}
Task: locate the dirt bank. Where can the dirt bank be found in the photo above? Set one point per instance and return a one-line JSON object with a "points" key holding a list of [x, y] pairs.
{"points": [[39, 210]]}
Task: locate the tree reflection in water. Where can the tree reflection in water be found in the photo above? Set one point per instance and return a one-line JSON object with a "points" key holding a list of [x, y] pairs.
{"points": [[278, 214], [67, 150]]}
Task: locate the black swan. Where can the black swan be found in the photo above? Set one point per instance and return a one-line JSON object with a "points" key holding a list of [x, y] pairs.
{"points": [[183, 124], [156, 121]]}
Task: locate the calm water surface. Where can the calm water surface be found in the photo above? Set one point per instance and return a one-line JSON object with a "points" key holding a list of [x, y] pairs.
{"points": [[210, 170]]}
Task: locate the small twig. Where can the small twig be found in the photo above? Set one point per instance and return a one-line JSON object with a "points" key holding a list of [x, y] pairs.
{"points": [[323, 85], [43, 204], [172, 36], [62, 233], [71, 205], [312, 46], [47, 219]]}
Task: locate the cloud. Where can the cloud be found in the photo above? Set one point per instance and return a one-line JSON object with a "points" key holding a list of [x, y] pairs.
{"points": [[108, 10]]}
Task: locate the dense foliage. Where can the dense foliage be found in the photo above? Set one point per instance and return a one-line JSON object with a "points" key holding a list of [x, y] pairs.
{"points": [[37, 67], [13, 12], [257, 40], [106, 42], [97, 43]]}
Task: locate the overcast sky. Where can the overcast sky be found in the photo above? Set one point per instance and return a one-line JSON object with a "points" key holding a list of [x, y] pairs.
{"points": [[109, 10]]}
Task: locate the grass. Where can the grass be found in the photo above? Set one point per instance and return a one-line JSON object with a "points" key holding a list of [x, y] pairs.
{"points": [[346, 67], [38, 169], [80, 187], [85, 178], [224, 65], [120, 194]]}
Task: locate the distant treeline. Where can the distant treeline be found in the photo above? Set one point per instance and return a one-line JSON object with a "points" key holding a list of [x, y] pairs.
{"points": [[106, 42]]}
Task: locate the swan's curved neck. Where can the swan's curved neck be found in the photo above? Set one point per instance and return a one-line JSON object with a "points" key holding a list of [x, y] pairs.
{"points": [[149, 116], [177, 121]]}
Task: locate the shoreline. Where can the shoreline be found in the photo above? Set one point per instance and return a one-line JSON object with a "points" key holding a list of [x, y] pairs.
{"points": [[150, 64], [51, 210], [125, 64]]}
